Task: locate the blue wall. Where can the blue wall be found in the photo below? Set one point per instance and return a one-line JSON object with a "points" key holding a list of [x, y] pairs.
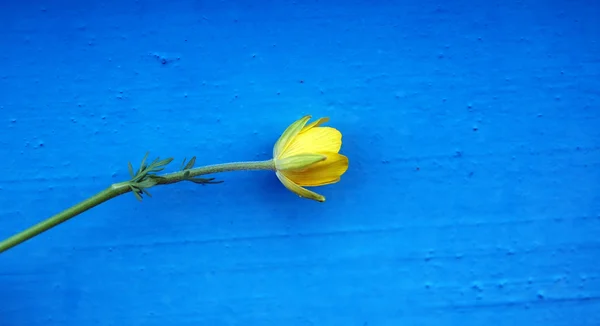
{"points": [[472, 130]]}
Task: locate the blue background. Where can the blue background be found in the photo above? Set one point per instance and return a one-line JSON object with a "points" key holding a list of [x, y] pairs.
{"points": [[472, 130]]}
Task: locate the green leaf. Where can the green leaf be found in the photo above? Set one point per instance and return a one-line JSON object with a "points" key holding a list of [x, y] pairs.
{"points": [[130, 167], [204, 180], [143, 165], [146, 192], [165, 162], [147, 183], [190, 164], [156, 169], [135, 191], [183, 164], [157, 177]]}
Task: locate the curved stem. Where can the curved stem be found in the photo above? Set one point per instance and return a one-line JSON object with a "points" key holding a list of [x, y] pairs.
{"points": [[209, 169], [122, 188], [105, 195]]}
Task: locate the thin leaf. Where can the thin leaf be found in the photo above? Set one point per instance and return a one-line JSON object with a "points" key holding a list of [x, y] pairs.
{"points": [[135, 192], [190, 163], [157, 177], [140, 176], [143, 165], [130, 167], [165, 162], [146, 192], [183, 164], [204, 180], [156, 169], [146, 183]]}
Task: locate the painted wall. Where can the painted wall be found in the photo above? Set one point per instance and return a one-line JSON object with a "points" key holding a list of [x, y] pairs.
{"points": [[472, 130]]}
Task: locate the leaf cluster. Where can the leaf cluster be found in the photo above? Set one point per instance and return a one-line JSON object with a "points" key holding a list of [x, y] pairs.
{"points": [[146, 177], [186, 167]]}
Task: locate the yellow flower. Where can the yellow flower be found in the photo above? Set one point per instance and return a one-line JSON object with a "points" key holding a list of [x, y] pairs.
{"points": [[307, 156]]}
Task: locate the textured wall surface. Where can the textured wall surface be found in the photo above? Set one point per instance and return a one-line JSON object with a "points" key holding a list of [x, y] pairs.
{"points": [[472, 128]]}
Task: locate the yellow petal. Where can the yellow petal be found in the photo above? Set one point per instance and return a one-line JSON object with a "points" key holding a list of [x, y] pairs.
{"points": [[321, 173], [315, 124], [301, 161], [315, 140], [302, 192], [289, 134]]}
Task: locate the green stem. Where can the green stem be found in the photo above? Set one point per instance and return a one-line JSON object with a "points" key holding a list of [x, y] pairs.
{"points": [[122, 188], [226, 167]]}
